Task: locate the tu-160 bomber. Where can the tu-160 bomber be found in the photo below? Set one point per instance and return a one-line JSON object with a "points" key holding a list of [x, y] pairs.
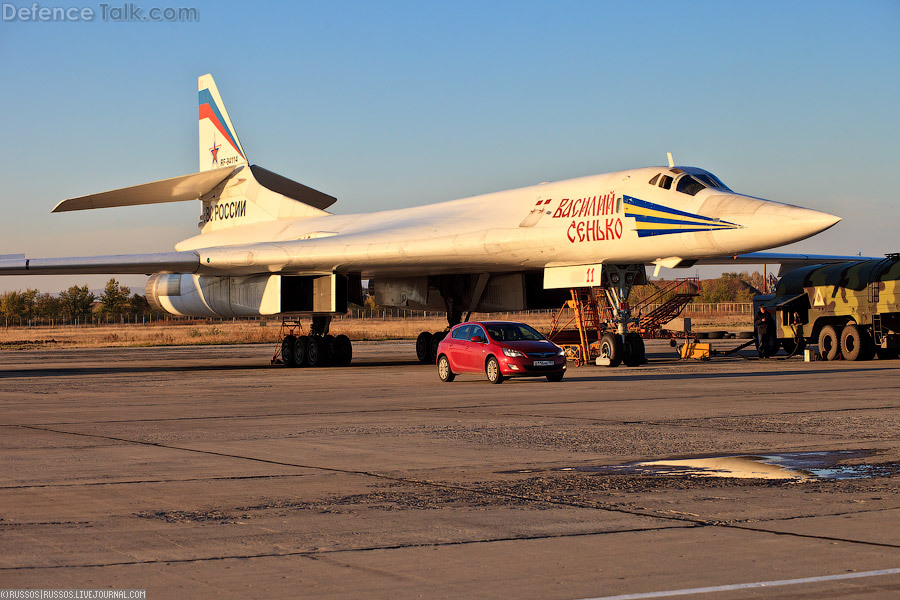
{"points": [[267, 246]]}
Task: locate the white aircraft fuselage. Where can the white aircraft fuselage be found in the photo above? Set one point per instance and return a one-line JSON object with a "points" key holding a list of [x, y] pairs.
{"points": [[611, 218]]}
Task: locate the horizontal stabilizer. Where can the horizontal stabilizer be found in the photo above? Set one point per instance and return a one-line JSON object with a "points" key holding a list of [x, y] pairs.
{"points": [[176, 189], [290, 188]]}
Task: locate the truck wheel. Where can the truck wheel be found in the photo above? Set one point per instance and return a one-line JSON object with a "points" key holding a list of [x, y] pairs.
{"points": [[829, 342], [793, 346], [855, 343], [611, 348]]}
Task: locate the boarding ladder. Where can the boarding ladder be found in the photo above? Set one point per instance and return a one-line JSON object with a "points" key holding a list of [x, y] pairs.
{"points": [[672, 299]]}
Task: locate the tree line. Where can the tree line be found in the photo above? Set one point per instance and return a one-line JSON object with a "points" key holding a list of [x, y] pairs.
{"points": [[77, 302], [116, 301]]}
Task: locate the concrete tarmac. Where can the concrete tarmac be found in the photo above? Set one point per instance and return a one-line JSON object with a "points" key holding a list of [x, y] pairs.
{"points": [[203, 472]]}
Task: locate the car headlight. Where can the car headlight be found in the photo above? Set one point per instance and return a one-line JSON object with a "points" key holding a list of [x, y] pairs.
{"points": [[561, 352], [513, 353]]}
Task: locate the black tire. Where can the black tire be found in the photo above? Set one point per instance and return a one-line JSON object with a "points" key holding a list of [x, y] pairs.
{"points": [[634, 353], [555, 377], [611, 347], [287, 351], [746, 335], [492, 370], [314, 354], [792, 346], [343, 351], [855, 343], [300, 351], [436, 338], [716, 335], [328, 349], [702, 335], [445, 373], [423, 346], [829, 342]]}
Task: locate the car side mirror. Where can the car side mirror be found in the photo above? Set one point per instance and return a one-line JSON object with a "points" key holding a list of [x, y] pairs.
{"points": [[477, 339]]}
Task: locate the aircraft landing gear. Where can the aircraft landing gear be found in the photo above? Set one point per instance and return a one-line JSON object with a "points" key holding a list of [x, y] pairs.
{"points": [[318, 349], [427, 342]]}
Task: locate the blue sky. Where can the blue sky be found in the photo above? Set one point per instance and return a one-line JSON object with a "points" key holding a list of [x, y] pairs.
{"points": [[394, 104]]}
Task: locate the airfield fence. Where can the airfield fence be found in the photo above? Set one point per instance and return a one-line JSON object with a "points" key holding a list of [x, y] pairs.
{"points": [[383, 314]]}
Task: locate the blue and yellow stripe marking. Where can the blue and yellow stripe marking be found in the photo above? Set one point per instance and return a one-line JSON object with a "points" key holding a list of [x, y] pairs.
{"points": [[656, 219]]}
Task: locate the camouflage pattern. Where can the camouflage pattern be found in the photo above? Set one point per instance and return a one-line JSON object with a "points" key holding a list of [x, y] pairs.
{"points": [[865, 292]]}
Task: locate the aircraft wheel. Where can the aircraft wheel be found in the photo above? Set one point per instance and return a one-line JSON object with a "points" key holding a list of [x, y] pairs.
{"points": [[343, 351], [444, 371], [287, 351], [436, 338], [314, 354], [634, 353], [301, 351], [328, 349], [423, 346], [611, 347], [829, 342], [855, 343], [492, 370], [555, 377]]}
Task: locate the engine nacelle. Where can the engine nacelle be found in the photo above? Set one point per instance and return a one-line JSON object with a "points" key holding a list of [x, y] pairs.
{"points": [[185, 294]]}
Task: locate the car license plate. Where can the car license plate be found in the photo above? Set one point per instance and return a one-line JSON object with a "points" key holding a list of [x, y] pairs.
{"points": [[543, 363]]}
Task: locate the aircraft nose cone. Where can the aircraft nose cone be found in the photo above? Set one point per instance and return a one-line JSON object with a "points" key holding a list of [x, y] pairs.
{"points": [[801, 222], [768, 224]]}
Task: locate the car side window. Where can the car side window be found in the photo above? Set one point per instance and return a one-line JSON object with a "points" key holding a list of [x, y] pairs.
{"points": [[476, 330], [460, 333]]}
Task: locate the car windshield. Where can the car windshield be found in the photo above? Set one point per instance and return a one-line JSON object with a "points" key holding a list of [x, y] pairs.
{"points": [[513, 332]]}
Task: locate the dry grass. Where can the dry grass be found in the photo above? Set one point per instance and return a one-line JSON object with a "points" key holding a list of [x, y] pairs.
{"points": [[188, 333]]}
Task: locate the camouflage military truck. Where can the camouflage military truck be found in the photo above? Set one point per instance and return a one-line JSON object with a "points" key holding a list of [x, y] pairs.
{"points": [[851, 310]]}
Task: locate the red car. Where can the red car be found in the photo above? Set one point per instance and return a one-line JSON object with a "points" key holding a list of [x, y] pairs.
{"points": [[499, 349]]}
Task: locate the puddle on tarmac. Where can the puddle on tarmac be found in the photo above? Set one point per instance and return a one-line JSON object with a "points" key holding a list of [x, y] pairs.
{"points": [[798, 466]]}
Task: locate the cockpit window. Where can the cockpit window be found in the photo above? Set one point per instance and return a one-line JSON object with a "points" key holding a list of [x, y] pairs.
{"points": [[710, 180], [690, 180], [689, 185]]}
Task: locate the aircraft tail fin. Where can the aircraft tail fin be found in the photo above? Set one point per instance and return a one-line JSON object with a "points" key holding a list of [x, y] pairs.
{"points": [[219, 145]]}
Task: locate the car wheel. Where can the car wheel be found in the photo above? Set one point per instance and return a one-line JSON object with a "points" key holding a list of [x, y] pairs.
{"points": [[492, 370], [444, 371]]}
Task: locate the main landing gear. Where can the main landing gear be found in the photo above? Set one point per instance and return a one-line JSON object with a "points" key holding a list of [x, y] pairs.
{"points": [[316, 349], [427, 342]]}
